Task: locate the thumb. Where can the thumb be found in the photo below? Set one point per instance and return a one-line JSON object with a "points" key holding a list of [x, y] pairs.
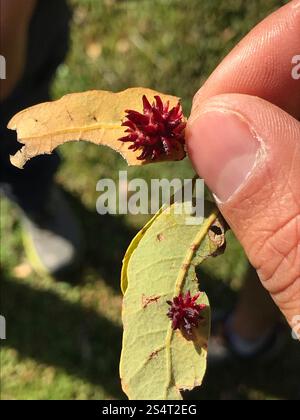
{"points": [[248, 152]]}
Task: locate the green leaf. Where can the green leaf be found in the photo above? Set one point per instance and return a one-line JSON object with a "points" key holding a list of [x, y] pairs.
{"points": [[157, 362], [133, 245]]}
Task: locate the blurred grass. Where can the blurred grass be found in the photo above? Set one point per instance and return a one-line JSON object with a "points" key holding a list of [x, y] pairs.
{"points": [[64, 340]]}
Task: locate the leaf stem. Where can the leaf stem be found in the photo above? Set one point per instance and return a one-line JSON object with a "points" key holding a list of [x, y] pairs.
{"points": [[179, 285]]}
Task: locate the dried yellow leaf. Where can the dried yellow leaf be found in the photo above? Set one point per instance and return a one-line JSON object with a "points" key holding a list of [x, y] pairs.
{"points": [[94, 116]]}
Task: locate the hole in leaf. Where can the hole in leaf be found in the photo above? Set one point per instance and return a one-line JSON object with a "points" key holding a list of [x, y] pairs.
{"points": [[216, 230]]}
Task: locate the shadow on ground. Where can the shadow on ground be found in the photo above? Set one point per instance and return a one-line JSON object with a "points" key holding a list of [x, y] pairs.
{"points": [[106, 240], [44, 327]]}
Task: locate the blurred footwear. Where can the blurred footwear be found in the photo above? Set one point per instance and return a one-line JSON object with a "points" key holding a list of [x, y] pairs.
{"points": [[225, 346], [52, 237]]}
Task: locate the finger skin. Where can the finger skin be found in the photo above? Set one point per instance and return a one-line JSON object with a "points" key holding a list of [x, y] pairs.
{"points": [[265, 212], [261, 64]]}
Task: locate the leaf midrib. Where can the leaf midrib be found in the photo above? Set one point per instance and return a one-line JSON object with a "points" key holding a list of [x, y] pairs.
{"points": [[180, 281], [103, 126]]}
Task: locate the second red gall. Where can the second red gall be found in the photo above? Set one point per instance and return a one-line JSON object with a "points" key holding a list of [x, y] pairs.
{"points": [[185, 313]]}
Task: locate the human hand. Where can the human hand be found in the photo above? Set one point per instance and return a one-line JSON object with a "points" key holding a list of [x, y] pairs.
{"points": [[243, 137]]}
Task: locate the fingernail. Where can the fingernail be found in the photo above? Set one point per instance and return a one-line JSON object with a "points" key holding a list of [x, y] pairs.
{"points": [[224, 150]]}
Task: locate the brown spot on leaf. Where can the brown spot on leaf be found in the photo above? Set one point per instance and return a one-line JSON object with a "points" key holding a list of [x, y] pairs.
{"points": [[147, 300], [160, 237], [153, 355], [69, 115]]}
